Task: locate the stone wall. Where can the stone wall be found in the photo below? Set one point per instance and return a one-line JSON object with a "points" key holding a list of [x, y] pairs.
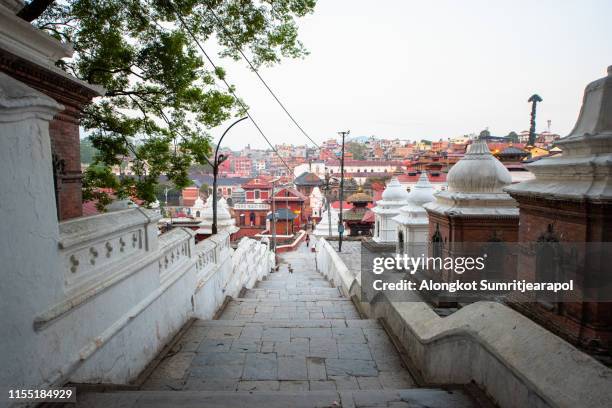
{"points": [[516, 362], [123, 295]]}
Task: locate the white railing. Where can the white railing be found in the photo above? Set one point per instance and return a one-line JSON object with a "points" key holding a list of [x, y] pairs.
{"points": [[127, 291]]}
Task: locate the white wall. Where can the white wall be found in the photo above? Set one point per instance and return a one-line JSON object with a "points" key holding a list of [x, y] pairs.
{"points": [[93, 299]]}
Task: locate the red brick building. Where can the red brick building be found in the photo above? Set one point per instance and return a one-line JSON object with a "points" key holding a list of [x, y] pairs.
{"points": [[251, 214], [295, 202]]}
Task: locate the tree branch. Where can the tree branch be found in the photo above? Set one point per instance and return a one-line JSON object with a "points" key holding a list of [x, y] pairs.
{"points": [[34, 9]]}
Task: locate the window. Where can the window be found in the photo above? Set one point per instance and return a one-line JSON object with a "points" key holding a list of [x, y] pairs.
{"points": [[257, 194]]}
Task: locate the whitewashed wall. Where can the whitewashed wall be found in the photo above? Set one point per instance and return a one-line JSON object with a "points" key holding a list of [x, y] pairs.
{"points": [[93, 299]]}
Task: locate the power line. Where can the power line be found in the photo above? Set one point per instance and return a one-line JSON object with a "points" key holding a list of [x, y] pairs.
{"points": [[222, 26], [229, 87]]}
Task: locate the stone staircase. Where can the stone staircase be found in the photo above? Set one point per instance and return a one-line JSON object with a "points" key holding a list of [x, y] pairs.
{"points": [[292, 341]]}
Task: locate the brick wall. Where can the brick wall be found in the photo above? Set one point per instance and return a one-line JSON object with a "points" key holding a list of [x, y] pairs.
{"points": [[64, 129], [585, 324]]}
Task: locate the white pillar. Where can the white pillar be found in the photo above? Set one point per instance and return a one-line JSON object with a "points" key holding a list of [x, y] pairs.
{"points": [[31, 276]]}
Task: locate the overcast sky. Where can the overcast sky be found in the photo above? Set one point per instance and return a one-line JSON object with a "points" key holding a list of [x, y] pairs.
{"points": [[430, 69]]}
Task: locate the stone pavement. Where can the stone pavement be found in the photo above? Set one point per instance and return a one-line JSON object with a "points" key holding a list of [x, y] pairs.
{"points": [[292, 332], [292, 341]]}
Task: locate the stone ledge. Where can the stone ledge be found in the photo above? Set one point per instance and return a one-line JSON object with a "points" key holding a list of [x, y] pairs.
{"points": [[79, 231], [514, 360]]}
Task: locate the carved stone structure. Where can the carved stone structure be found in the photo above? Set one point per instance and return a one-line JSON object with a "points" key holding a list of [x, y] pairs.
{"points": [[570, 200], [225, 222], [322, 229], [394, 197], [412, 221], [472, 216], [474, 208]]}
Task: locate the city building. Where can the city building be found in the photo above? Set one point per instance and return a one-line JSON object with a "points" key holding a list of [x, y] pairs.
{"points": [[294, 201]]}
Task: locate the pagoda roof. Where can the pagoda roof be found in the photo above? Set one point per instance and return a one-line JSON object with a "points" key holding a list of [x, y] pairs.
{"points": [[294, 195], [354, 214], [308, 179], [283, 214], [359, 197], [512, 151]]}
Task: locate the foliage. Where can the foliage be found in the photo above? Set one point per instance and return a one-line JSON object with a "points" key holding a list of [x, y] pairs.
{"points": [[513, 136], [88, 151], [161, 96], [204, 188], [357, 149]]}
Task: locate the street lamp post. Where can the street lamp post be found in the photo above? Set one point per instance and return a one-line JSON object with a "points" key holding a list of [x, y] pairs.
{"points": [[340, 224], [217, 160]]}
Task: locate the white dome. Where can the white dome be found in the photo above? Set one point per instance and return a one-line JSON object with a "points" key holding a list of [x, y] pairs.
{"points": [[478, 172], [395, 191], [199, 203], [422, 192], [222, 210], [224, 219], [316, 193]]}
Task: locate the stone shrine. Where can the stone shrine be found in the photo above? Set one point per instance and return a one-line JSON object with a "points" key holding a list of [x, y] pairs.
{"points": [[570, 201], [394, 197], [412, 221]]}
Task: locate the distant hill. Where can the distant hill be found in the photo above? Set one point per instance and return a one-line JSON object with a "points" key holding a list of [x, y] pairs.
{"points": [[359, 139]]}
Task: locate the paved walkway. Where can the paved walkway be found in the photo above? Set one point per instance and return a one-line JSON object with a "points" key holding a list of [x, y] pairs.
{"points": [[293, 341], [293, 332]]}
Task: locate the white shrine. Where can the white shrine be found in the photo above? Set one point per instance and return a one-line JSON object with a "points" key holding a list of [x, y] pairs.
{"points": [[412, 221], [225, 222], [197, 211], [316, 202], [394, 197], [322, 228], [475, 187]]}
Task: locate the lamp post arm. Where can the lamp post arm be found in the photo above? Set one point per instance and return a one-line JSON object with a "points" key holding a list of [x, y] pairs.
{"points": [[224, 133]]}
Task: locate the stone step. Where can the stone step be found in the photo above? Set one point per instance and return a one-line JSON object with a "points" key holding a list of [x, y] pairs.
{"points": [[422, 397], [278, 302], [361, 323]]}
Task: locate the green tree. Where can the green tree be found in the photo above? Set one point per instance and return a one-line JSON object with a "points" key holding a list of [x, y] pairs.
{"points": [[204, 189], [161, 95], [88, 151], [513, 137], [357, 149]]}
